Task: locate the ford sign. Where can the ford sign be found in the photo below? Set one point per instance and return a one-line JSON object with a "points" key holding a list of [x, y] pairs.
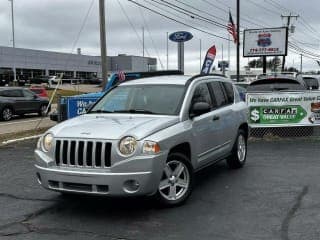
{"points": [[181, 36]]}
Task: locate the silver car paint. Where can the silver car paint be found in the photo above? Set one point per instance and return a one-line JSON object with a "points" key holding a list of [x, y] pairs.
{"points": [[208, 140]]}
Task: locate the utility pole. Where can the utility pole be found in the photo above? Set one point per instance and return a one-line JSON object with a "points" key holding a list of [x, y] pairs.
{"points": [[200, 42], [288, 17], [167, 50], [142, 41], [13, 44], [238, 40], [103, 47], [300, 63]]}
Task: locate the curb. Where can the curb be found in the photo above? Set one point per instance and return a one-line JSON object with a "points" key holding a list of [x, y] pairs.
{"points": [[20, 139]]}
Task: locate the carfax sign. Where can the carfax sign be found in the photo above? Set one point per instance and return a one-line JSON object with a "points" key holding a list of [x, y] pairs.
{"points": [[265, 42], [284, 109]]}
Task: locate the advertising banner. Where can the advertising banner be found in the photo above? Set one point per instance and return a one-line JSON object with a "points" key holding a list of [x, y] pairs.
{"points": [[265, 42], [208, 60], [284, 109], [76, 106]]}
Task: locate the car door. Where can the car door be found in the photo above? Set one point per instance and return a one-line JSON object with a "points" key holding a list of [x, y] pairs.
{"points": [[223, 93], [15, 98], [205, 128], [32, 101]]}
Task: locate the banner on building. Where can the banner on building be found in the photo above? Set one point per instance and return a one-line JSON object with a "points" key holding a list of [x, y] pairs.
{"points": [[284, 109]]}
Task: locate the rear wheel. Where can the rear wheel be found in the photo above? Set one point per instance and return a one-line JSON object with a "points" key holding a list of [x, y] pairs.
{"points": [[43, 110], [238, 155], [6, 114], [177, 180]]}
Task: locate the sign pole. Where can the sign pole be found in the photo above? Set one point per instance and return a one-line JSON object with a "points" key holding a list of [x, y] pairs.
{"points": [[181, 56], [103, 47], [238, 40]]}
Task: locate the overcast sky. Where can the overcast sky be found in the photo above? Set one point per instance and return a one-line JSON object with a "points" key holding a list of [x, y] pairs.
{"points": [[55, 24]]}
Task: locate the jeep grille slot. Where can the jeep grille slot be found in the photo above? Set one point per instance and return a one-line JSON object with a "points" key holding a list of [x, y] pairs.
{"points": [[81, 153]]}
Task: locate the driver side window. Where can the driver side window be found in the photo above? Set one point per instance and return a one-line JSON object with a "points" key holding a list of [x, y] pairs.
{"points": [[201, 94]]}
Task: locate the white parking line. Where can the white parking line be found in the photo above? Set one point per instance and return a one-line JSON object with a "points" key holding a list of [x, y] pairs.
{"points": [[28, 121]]}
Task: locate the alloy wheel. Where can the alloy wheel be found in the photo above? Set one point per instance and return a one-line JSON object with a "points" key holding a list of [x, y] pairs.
{"points": [[175, 181], [242, 148]]}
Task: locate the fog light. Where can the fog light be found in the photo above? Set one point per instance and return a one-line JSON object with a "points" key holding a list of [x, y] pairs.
{"points": [[39, 178], [131, 186]]}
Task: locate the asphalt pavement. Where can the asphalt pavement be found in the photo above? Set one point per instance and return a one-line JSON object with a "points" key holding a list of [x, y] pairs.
{"points": [[275, 196]]}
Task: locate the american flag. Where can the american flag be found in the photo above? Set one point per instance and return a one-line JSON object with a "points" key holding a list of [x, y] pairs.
{"points": [[232, 29], [121, 76]]}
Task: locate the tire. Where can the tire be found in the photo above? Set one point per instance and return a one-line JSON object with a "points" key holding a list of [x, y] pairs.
{"points": [[238, 156], [42, 111], [175, 187], [6, 114]]}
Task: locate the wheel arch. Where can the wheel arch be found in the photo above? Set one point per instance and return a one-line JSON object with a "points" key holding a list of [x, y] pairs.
{"points": [[183, 148], [245, 128]]}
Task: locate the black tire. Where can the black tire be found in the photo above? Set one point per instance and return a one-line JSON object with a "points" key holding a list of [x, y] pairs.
{"points": [[186, 176], [236, 159], [6, 114], [42, 111]]}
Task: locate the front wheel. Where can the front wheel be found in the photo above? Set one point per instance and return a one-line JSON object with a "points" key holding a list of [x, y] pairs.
{"points": [[238, 155], [177, 180]]}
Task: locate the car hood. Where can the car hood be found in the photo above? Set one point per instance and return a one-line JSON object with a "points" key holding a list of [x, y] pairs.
{"points": [[112, 126]]}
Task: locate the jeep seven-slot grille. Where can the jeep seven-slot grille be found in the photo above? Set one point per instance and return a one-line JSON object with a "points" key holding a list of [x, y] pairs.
{"points": [[83, 153]]}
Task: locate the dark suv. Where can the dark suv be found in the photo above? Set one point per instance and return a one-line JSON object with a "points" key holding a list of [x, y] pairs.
{"points": [[20, 101]]}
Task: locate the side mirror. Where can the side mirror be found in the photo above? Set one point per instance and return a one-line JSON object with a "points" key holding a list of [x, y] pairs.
{"points": [[88, 107], [199, 108]]}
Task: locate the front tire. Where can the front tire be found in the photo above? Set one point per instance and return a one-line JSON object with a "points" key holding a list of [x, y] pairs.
{"points": [[177, 180], [238, 156], [6, 114]]}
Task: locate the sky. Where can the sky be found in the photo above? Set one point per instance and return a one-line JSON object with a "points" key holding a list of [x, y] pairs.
{"points": [[60, 25]]}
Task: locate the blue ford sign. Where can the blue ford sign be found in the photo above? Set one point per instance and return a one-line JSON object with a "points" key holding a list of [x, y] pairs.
{"points": [[180, 36]]}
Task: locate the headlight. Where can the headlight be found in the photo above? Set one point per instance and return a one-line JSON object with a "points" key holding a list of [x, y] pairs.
{"points": [[150, 147], [127, 145], [47, 141]]}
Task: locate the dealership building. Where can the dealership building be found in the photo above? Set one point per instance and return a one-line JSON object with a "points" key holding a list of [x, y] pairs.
{"points": [[34, 63]]}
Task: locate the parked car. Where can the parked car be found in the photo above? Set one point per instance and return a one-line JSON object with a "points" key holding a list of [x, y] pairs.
{"points": [[39, 80], [312, 82], [146, 137], [39, 91], [277, 83], [20, 101], [4, 82]]}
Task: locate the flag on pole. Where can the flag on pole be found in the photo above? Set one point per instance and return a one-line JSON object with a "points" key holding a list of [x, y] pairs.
{"points": [[232, 29], [121, 76], [208, 61]]}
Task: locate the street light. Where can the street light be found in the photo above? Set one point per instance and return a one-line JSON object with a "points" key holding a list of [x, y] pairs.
{"points": [[13, 42]]}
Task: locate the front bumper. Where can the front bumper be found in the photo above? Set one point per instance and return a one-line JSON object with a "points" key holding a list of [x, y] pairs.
{"points": [[132, 177]]}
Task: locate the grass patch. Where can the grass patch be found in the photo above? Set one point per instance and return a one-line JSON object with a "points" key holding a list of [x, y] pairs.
{"points": [[62, 93], [28, 133]]}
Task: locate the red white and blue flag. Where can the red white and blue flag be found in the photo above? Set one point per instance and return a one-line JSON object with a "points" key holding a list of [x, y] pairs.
{"points": [[121, 76], [209, 59], [232, 29]]}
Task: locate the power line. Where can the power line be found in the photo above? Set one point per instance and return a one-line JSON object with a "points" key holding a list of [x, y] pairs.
{"points": [[153, 44], [177, 21], [132, 26]]}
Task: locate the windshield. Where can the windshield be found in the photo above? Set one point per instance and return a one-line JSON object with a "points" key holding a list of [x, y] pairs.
{"points": [[149, 99]]}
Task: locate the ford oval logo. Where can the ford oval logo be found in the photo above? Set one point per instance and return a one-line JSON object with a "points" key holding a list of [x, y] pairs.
{"points": [[180, 36]]}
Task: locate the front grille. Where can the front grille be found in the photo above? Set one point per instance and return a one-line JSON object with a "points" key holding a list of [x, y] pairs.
{"points": [[77, 153]]}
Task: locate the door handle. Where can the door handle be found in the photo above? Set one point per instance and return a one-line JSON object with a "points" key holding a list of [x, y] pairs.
{"points": [[215, 118]]}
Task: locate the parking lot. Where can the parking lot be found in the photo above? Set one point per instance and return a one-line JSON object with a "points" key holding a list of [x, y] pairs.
{"points": [[276, 196]]}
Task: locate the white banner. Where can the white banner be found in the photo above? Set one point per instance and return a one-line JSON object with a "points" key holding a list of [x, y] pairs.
{"points": [[284, 109], [265, 42]]}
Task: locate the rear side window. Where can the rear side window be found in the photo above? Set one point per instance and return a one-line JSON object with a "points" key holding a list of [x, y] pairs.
{"points": [[218, 94], [312, 83], [229, 91], [36, 90]]}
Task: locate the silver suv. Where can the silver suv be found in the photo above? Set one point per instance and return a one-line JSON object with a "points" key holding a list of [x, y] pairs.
{"points": [[146, 137]]}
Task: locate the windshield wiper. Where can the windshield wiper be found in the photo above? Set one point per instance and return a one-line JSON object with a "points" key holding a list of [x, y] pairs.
{"points": [[101, 111], [142, 111]]}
